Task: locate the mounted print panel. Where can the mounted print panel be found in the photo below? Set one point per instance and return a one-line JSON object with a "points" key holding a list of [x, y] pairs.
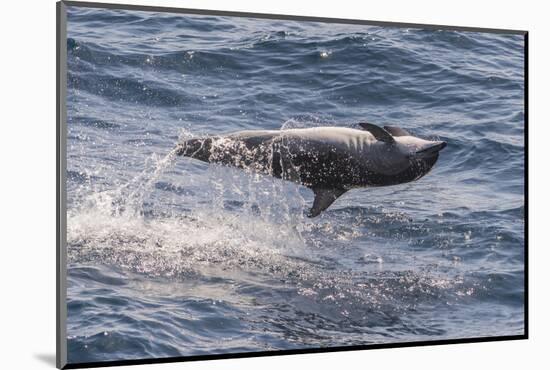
{"points": [[240, 185]]}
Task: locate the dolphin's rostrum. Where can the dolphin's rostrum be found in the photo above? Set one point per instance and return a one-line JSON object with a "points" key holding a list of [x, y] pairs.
{"points": [[328, 160]]}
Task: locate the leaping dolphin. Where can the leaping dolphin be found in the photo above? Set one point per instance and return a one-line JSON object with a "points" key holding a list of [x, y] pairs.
{"points": [[328, 160]]}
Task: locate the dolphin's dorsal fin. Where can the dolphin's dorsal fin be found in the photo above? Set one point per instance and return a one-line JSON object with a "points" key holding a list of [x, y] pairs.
{"points": [[378, 132], [323, 199], [397, 131]]}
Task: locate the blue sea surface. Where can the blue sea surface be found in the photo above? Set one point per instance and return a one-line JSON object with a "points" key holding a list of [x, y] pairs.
{"points": [[169, 256]]}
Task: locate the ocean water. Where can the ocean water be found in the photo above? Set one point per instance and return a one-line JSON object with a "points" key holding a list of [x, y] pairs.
{"points": [[169, 256]]}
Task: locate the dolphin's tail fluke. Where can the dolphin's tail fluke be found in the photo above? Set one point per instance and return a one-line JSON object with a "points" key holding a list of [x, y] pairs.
{"points": [[199, 148]]}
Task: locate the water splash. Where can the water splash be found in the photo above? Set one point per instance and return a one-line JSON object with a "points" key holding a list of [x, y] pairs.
{"points": [[116, 227]]}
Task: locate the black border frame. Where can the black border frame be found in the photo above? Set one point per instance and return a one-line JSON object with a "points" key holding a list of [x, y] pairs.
{"points": [[61, 341]]}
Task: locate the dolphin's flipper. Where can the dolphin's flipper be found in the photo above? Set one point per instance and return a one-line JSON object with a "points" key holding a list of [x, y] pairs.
{"points": [[323, 199], [397, 131], [378, 132]]}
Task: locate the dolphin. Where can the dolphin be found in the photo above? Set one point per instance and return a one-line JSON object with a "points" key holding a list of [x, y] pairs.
{"points": [[328, 160]]}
